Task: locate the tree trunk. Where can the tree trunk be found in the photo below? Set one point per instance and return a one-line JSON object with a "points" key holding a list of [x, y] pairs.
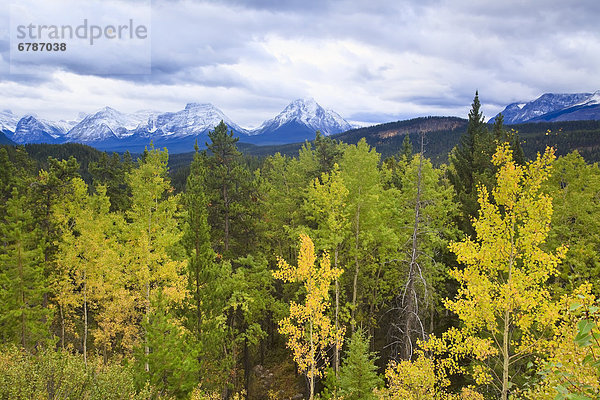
{"points": [[355, 283], [85, 318], [312, 363], [247, 368], [506, 331], [62, 326], [505, 356], [21, 292], [146, 347], [411, 306], [226, 206], [336, 353]]}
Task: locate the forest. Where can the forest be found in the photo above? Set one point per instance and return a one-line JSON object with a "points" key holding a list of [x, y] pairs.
{"points": [[331, 274]]}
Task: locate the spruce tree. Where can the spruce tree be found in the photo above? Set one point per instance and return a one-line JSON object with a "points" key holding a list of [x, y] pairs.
{"points": [[406, 153], [471, 165], [358, 376], [23, 318], [501, 135], [328, 152], [229, 192], [196, 238]]}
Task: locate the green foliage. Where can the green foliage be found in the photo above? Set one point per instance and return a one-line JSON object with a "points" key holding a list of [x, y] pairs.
{"points": [[23, 319], [126, 263], [575, 189], [471, 165], [358, 375], [59, 374], [229, 191], [172, 359], [503, 301], [328, 152], [196, 237], [111, 172]]}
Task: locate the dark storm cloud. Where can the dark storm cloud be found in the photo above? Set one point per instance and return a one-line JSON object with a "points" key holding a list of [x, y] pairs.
{"points": [[375, 59]]}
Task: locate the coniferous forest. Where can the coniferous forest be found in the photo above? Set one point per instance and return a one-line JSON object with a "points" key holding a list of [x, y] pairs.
{"points": [[332, 274]]}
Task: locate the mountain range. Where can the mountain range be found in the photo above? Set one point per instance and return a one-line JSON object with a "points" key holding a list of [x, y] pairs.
{"points": [[110, 129], [554, 107]]}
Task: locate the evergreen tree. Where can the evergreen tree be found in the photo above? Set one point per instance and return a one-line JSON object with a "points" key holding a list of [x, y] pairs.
{"points": [[328, 152], [110, 172], [23, 319], [171, 364], [358, 376], [501, 135], [471, 165], [229, 192], [152, 234], [406, 153], [196, 236]]}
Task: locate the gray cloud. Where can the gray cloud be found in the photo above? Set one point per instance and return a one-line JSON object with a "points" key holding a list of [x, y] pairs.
{"points": [[366, 60]]}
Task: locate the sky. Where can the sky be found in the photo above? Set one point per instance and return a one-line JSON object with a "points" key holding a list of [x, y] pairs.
{"points": [[371, 61]]}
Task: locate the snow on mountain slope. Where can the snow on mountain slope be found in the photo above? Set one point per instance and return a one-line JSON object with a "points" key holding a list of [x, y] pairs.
{"points": [[107, 123], [194, 120], [306, 113], [110, 128], [30, 129], [516, 113], [8, 121]]}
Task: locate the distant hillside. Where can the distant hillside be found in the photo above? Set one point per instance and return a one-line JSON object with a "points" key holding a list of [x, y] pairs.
{"points": [[554, 107], [442, 134], [565, 136], [5, 140]]}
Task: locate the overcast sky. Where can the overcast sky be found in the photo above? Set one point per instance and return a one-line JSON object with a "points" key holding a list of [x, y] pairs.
{"points": [[369, 60]]}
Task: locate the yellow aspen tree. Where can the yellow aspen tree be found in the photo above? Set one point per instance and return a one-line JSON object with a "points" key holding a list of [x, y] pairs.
{"points": [[503, 301], [327, 206], [310, 332], [86, 253], [151, 235]]}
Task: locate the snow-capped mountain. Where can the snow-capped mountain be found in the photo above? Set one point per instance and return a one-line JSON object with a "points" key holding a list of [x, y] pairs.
{"points": [[8, 121], [110, 129], [299, 121], [196, 119], [30, 129], [554, 107], [107, 124]]}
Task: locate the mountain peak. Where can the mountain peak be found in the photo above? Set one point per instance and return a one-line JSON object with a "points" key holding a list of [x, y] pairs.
{"points": [[193, 106], [299, 121], [551, 107]]}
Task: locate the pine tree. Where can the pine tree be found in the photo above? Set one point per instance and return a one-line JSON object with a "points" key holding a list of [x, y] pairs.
{"points": [[196, 237], [358, 376], [501, 135], [406, 153], [228, 191], [471, 165], [328, 152], [171, 364], [23, 319]]}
